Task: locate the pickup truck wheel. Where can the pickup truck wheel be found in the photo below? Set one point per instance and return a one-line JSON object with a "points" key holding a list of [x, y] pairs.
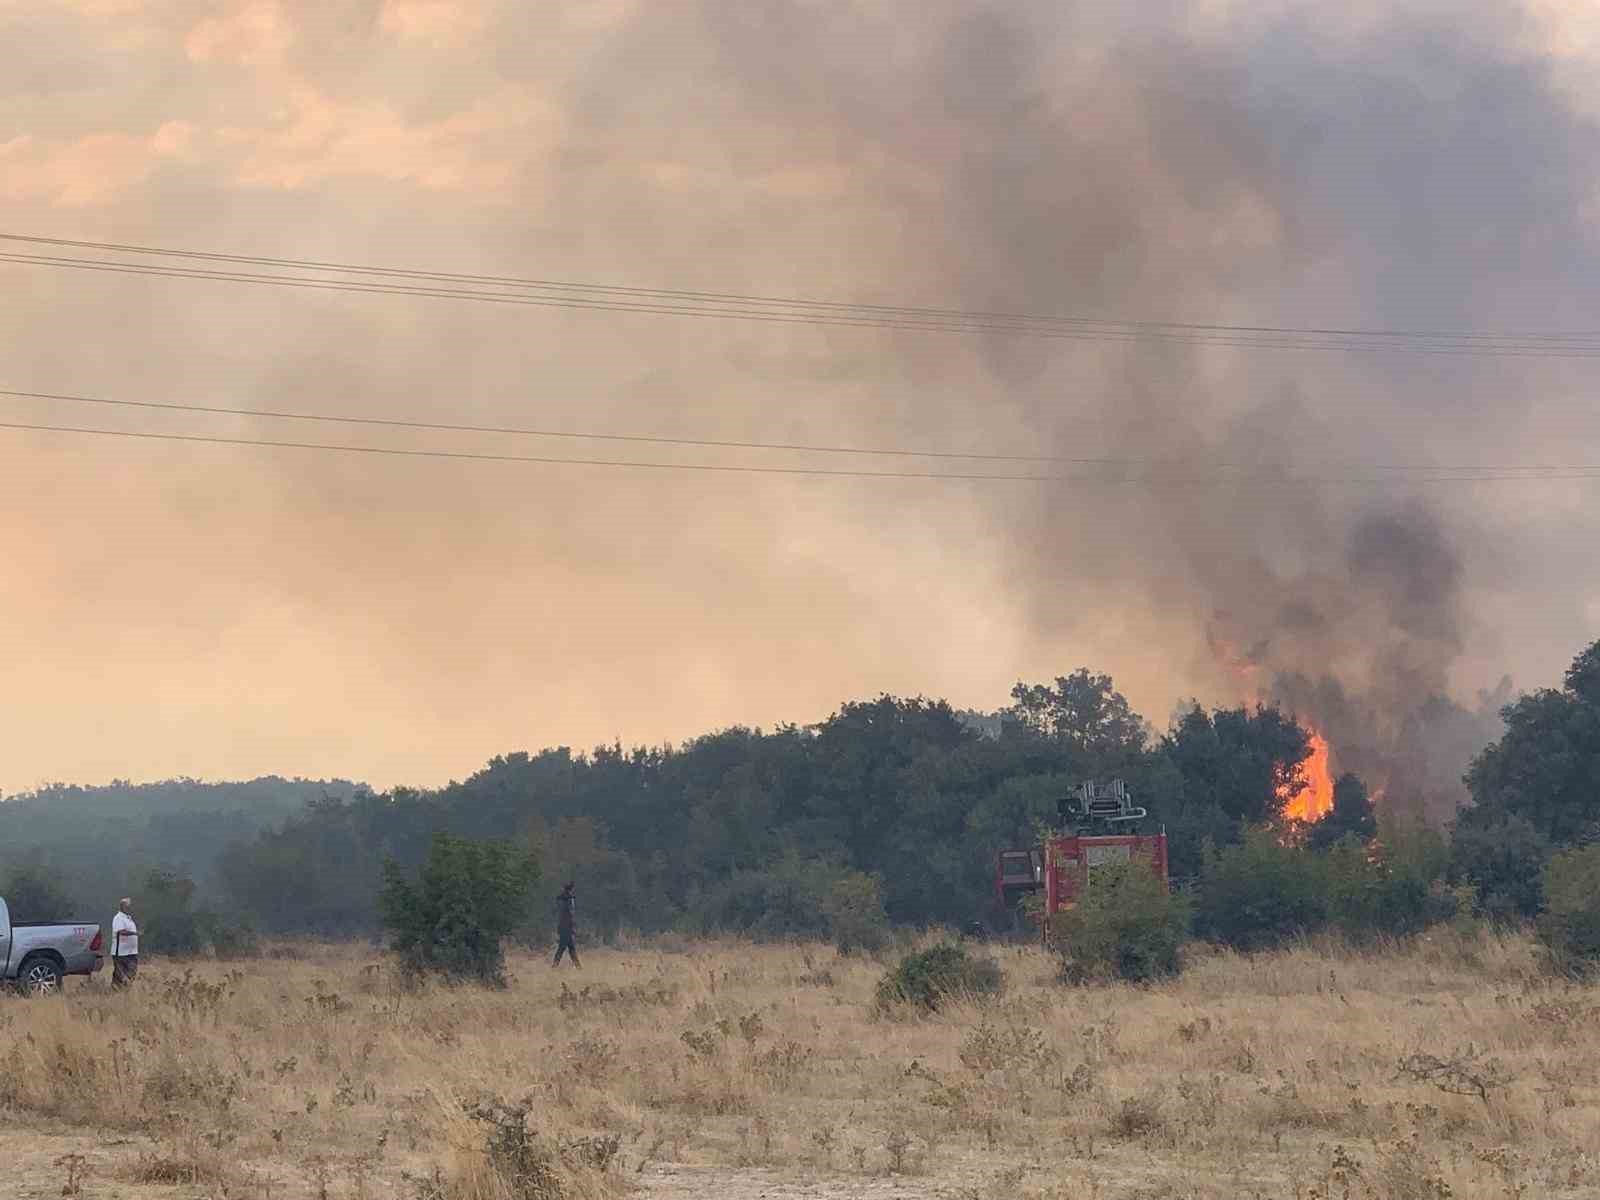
{"points": [[39, 977]]}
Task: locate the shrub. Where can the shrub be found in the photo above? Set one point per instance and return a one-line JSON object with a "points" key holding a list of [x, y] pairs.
{"points": [[1393, 889], [794, 898], [34, 893], [1569, 927], [1126, 925], [926, 978], [468, 896], [1502, 856], [854, 908], [523, 1166], [232, 939], [168, 923], [1260, 893]]}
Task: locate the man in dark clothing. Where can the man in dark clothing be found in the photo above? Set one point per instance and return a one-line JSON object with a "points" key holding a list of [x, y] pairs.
{"points": [[564, 941]]}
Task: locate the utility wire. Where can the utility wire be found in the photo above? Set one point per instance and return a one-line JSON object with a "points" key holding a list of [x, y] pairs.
{"points": [[524, 431], [736, 306], [1497, 350], [726, 444], [730, 468], [517, 281]]}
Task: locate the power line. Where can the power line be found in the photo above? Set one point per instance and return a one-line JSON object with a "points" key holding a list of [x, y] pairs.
{"points": [[525, 282], [774, 316], [737, 306], [525, 431], [729, 444], [1126, 336], [739, 469], [769, 316], [531, 458]]}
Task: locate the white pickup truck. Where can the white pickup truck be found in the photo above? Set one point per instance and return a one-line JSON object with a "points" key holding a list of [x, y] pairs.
{"points": [[37, 955]]}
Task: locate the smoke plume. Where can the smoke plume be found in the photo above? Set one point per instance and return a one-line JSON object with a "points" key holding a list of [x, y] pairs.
{"points": [[1242, 530]]}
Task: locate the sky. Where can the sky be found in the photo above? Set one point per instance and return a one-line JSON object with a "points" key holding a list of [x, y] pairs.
{"points": [[188, 609]]}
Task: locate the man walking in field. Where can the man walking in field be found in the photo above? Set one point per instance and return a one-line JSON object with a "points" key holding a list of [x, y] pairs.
{"points": [[564, 941], [124, 945]]}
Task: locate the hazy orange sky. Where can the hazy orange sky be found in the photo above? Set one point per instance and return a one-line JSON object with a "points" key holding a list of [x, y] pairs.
{"points": [[180, 609]]}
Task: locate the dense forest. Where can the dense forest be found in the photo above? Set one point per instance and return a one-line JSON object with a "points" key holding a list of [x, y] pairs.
{"points": [[77, 849], [901, 801]]}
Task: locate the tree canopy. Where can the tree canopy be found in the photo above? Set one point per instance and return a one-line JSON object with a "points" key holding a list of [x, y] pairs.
{"points": [[1535, 791], [892, 808]]}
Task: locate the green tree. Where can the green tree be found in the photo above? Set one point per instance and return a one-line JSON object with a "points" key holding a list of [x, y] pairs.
{"points": [[320, 871], [468, 897], [1546, 766], [1243, 762], [578, 848], [163, 904], [1260, 893], [1502, 857], [854, 908], [1570, 924], [1082, 710], [1191, 829], [796, 898], [1392, 888], [1127, 925], [1350, 817], [33, 892]]}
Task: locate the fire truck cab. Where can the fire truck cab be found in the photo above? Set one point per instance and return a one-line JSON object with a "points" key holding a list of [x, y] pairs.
{"points": [[1019, 874]]}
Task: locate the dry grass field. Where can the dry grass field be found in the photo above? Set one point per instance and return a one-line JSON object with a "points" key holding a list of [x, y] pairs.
{"points": [[725, 1070]]}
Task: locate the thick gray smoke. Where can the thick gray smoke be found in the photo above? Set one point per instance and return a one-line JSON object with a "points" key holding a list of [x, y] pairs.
{"points": [[1277, 169], [1249, 163]]}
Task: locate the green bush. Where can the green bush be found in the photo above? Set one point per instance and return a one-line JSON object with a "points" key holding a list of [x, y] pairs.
{"points": [[1394, 891], [1502, 857], [467, 898], [1127, 925], [926, 978], [1260, 893], [854, 908], [35, 893], [168, 922], [1569, 927], [232, 939], [794, 898], [1263, 893]]}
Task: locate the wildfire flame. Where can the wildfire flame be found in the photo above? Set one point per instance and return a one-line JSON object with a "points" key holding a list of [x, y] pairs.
{"points": [[1314, 800]]}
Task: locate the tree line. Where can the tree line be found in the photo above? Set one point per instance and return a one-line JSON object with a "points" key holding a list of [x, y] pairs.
{"points": [[889, 811], [892, 803]]}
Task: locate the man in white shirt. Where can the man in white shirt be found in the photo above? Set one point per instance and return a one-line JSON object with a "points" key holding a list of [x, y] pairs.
{"points": [[124, 945]]}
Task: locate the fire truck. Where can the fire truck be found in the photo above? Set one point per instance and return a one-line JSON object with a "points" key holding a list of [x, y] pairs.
{"points": [[1096, 823]]}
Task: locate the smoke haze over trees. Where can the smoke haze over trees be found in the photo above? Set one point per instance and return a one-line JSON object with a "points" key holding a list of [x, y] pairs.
{"points": [[893, 802], [889, 810], [1395, 167], [97, 844]]}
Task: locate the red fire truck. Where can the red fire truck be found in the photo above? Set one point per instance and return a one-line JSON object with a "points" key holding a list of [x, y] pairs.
{"points": [[1094, 822]]}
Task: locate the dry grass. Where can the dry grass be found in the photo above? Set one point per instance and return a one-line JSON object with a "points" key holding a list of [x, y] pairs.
{"points": [[1450, 1067]]}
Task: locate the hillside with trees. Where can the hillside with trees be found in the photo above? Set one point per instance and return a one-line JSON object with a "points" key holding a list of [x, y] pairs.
{"points": [[888, 811], [92, 844]]}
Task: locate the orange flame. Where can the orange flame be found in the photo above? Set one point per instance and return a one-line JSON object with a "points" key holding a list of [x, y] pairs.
{"points": [[1314, 800]]}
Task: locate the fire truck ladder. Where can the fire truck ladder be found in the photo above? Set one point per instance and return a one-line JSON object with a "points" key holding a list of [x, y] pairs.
{"points": [[1099, 804]]}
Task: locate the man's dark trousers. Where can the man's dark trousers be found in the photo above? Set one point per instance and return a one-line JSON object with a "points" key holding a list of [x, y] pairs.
{"points": [[565, 945]]}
